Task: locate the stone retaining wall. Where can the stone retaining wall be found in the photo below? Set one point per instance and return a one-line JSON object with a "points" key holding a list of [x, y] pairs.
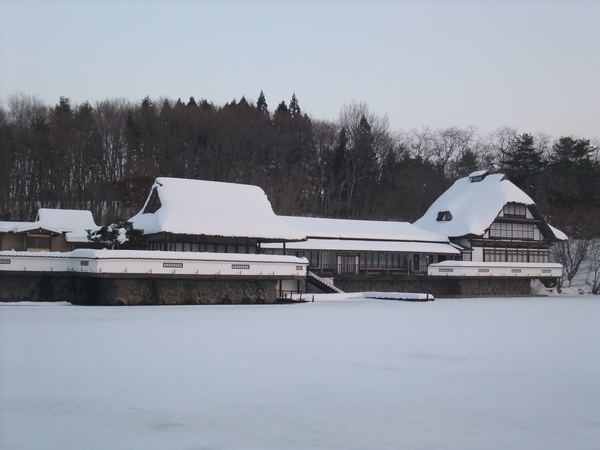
{"points": [[86, 290], [133, 291], [24, 287], [442, 287]]}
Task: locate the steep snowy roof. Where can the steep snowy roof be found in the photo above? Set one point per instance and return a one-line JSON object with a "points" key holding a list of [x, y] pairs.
{"points": [[67, 219], [211, 208], [362, 229], [472, 205]]}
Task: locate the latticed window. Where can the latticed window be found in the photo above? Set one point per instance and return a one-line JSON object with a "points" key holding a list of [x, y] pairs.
{"points": [[512, 230], [515, 210], [494, 255], [515, 255], [38, 242], [539, 256]]}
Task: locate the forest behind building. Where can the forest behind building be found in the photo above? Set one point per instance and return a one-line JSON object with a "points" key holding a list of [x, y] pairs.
{"points": [[104, 157]]}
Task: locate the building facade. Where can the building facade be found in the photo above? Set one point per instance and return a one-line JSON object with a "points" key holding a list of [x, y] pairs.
{"points": [[340, 247], [491, 220]]}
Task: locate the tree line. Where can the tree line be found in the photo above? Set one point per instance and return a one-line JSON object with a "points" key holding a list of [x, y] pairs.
{"points": [[104, 157]]}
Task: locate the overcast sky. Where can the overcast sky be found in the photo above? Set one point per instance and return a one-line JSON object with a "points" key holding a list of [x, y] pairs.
{"points": [[529, 64]]}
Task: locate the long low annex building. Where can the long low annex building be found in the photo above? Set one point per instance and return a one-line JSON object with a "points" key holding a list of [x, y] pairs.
{"points": [[340, 247]]}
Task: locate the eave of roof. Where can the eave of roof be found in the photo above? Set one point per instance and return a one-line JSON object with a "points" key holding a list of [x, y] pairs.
{"points": [[369, 246]]}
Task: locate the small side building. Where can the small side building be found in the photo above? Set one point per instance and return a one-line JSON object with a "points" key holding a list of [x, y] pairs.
{"points": [[54, 230]]}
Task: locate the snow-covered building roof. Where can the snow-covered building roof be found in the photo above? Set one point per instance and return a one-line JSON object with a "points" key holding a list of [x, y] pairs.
{"points": [[32, 226], [67, 219], [472, 203], [210, 208], [352, 245], [365, 235], [73, 223], [314, 227]]}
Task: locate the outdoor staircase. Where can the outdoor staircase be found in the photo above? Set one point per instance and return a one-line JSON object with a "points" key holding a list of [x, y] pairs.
{"points": [[318, 282]]}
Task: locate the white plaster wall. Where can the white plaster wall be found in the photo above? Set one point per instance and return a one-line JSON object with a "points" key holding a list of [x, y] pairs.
{"points": [[477, 254], [65, 262], [528, 270], [34, 262]]}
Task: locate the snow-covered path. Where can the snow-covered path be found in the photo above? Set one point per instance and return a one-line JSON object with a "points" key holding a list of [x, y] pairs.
{"points": [[359, 374]]}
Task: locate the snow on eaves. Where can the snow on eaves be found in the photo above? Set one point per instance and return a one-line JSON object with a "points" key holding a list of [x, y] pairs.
{"points": [[473, 206], [559, 234], [22, 227], [179, 256], [486, 264], [198, 207], [73, 222], [369, 246], [88, 253]]}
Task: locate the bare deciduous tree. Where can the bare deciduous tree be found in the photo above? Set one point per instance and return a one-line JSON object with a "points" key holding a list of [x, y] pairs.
{"points": [[571, 254], [594, 265]]}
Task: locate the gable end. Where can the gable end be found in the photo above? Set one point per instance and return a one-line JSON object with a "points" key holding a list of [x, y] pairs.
{"points": [[153, 204]]}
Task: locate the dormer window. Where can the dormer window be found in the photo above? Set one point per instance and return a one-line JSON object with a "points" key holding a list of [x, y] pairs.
{"points": [[153, 203], [478, 176], [444, 216]]}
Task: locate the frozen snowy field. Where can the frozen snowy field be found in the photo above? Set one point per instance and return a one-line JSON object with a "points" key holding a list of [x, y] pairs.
{"points": [[360, 374]]}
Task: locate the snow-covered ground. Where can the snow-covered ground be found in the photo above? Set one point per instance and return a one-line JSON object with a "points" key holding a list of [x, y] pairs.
{"points": [[517, 373]]}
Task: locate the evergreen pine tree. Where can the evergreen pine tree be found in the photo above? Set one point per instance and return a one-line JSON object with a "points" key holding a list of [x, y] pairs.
{"points": [[261, 104], [295, 107]]}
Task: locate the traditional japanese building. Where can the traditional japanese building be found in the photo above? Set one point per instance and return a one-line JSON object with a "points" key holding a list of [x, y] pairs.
{"points": [[56, 230], [210, 216], [491, 220], [483, 236]]}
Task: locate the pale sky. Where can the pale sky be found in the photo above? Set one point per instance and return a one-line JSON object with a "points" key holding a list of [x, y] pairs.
{"points": [[533, 65]]}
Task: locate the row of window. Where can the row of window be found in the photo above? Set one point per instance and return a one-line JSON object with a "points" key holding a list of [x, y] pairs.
{"points": [[366, 259], [515, 255], [374, 260], [512, 230], [515, 210], [196, 247]]}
